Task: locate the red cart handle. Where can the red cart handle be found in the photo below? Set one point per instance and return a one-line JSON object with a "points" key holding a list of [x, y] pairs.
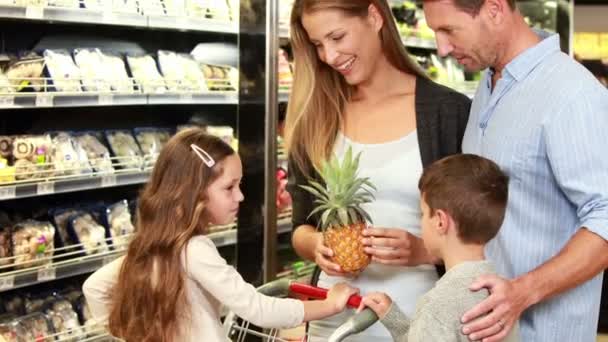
{"points": [[320, 293]]}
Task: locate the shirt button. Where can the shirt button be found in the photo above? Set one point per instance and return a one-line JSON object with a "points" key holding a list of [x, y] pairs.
{"points": [[483, 125]]}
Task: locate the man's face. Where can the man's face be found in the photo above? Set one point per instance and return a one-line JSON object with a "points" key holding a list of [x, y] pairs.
{"points": [[466, 37]]}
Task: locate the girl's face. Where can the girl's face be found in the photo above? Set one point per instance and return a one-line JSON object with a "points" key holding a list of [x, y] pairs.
{"points": [[348, 44], [224, 194]]}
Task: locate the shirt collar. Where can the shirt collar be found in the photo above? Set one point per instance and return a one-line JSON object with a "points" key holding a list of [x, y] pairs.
{"points": [[525, 62]]}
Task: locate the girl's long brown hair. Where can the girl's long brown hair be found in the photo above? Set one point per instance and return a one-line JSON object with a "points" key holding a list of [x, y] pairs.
{"points": [[149, 301], [319, 93]]}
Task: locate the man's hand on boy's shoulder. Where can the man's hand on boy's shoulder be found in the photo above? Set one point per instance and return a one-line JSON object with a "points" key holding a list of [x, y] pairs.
{"points": [[494, 318]]}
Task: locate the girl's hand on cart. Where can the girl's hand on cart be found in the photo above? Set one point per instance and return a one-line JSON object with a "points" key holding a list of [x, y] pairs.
{"points": [[339, 294], [379, 302]]}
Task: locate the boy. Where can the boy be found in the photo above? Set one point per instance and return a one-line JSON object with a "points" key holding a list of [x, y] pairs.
{"points": [[463, 201]]}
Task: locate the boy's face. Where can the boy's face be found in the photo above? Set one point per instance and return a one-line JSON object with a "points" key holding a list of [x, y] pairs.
{"points": [[429, 224]]}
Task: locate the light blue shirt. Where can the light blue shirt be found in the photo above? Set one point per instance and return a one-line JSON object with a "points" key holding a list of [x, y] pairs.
{"points": [[546, 125]]}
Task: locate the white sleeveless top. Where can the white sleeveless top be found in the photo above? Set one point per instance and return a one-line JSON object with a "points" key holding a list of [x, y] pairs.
{"points": [[394, 168]]}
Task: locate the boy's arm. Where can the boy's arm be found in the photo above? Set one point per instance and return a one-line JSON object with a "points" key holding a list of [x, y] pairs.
{"points": [[397, 323], [426, 327]]}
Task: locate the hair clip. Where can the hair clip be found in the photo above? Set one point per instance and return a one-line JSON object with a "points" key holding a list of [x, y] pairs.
{"points": [[205, 157]]}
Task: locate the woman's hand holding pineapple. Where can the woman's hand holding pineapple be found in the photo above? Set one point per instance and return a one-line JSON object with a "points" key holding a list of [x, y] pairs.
{"points": [[323, 255], [397, 247]]}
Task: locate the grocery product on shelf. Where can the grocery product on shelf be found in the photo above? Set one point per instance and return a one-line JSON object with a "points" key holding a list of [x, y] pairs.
{"points": [[64, 320], [96, 152], [61, 67], [219, 77], [144, 70], [85, 230], [120, 223], [125, 147], [32, 157], [25, 73], [36, 328], [32, 243], [285, 74], [68, 157], [181, 72]]}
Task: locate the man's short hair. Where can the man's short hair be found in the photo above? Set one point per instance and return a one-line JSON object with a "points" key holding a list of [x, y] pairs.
{"points": [[472, 190], [474, 6]]}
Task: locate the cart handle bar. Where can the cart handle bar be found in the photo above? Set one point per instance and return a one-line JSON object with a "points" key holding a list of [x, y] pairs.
{"points": [[320, 293]]}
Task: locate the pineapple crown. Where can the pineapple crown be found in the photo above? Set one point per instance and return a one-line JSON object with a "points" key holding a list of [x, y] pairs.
{"points": [[341, 199]]}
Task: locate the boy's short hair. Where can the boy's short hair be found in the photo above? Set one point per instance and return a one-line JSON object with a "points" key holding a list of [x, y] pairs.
{"points": [[472, 189]]}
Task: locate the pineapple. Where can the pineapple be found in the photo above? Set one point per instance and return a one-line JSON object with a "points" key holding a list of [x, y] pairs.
{"points": [[342, 218]]}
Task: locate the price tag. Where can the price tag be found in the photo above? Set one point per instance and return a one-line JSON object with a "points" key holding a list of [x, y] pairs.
{"points": [[7, 101], [185, 98], [7, 283], [46, 188], [34, 12], [109, 180], [46, 274], [106, 99], [44, 100], [8, 192]]}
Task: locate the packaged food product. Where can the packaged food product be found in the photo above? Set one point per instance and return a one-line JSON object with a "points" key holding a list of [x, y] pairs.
{"points": [[26, 73], [151, 141], [125, 149], [32, 243], [144, 71], [61, 218], [11, 331], [68, 157], [38, 302], [181, 72], [6, 146], [36, 328], [83, 229], [116, 72], [64, 320], [226, 133], [92, 70], [32, 156], [96, 152], [62, 69], [120, 224], [13, 304], [220, 78], [5, 246], [285, 75], [7, 172]]}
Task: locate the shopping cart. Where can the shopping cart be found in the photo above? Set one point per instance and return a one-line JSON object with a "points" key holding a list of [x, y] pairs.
{"points": [[237, 329]]}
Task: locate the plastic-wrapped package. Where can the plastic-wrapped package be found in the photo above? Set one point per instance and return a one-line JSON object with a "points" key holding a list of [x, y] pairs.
{"points": [[36, 328], [69, 158], [64, 320], [26, 73], [96, 152], [32, 156], [92, 70], [225, 133], [38, 302], [62, 69], [144, 70], [220, 78], [33, 243], [5, 246], [172, 70], [7, 173], [120, 223], [151, 141], [83, 229], [285, 75], [181, 72], [13, 305], [11, 331], [6, 146], [116, 72], [61, 218], [125, 148]]}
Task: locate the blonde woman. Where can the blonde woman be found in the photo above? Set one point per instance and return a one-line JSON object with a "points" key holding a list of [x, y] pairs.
{"points": [[354, 85]]}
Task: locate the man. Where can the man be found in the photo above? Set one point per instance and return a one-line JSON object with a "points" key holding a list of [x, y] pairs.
{"points": [[543, 118]]}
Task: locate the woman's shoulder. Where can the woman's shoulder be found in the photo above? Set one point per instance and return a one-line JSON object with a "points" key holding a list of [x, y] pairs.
{"points": [[430, 92]]}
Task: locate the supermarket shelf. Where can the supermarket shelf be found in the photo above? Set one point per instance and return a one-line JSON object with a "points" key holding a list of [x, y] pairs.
{"points": [[103, 17], [284, 30], [33, 189], [50, 99], [77, 265], [415, 42], [189, 98]]}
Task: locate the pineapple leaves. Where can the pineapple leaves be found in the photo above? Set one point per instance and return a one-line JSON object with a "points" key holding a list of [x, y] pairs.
{"points": [[314, 192], [343, 216]]}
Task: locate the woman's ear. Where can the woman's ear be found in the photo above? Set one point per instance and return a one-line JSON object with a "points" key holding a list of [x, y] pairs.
{"points": [[374, 17]]}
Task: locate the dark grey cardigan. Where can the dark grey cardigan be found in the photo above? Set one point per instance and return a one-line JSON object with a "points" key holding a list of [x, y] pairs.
{"points": [[441, 118]]}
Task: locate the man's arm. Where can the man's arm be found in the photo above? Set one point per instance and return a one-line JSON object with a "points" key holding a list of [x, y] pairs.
{"points": [[585, 255]]}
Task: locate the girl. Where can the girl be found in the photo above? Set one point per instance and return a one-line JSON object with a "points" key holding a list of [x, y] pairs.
{"points": [[172, 281], [355, 86]]}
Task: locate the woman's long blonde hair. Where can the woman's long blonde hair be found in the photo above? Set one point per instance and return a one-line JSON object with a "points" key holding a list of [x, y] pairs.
{"points": [[149, 301], [319, 93]]}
